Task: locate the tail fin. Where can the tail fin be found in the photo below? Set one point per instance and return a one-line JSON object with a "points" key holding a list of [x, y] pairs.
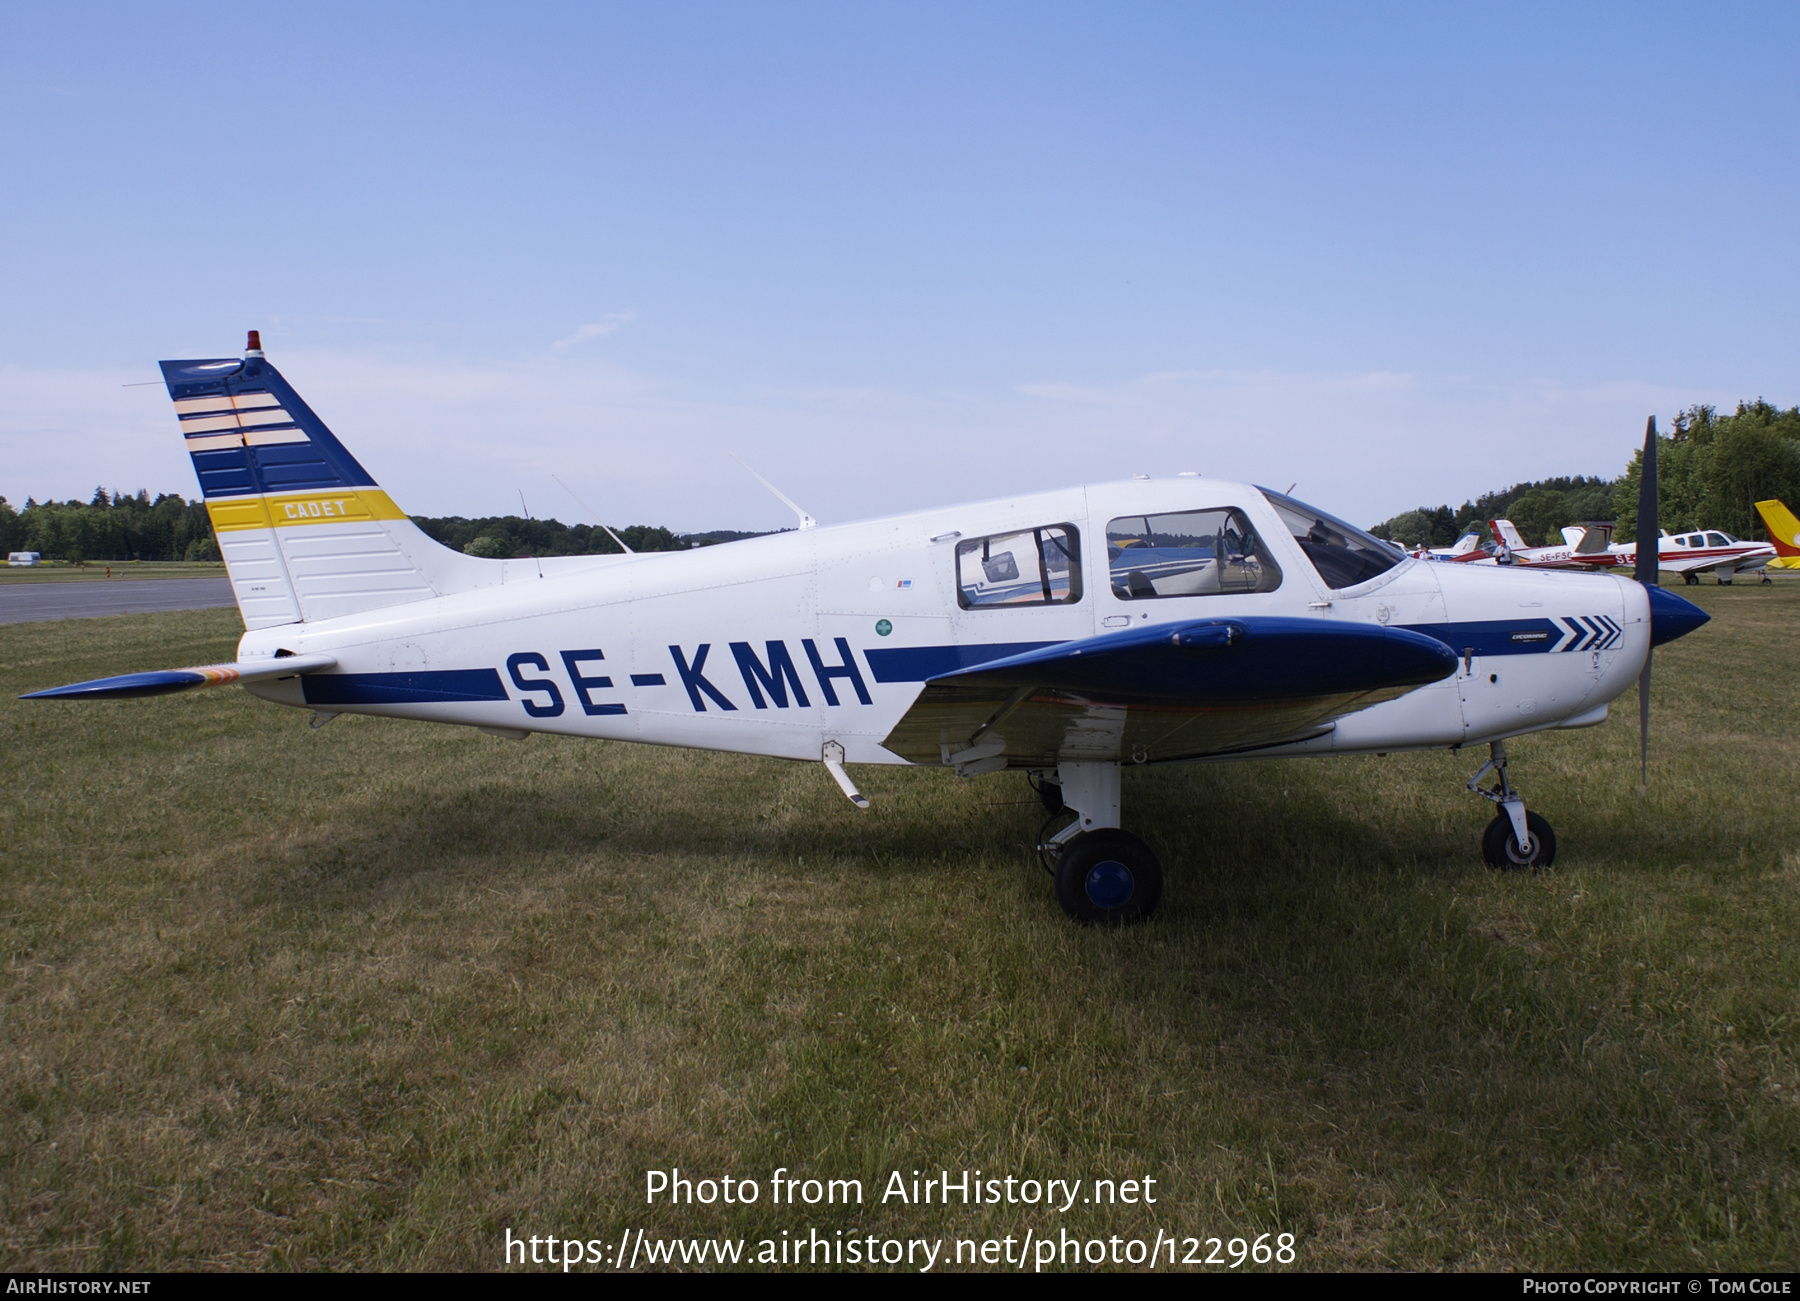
{"points": [[306, 533], [1596, 537], [1506, 534], [1784, 529]]}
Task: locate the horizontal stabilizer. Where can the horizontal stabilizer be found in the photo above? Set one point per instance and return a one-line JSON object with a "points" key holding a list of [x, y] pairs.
{"points": [[165, 681]]}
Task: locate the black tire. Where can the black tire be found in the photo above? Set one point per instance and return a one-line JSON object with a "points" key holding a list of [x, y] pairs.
{"points": [[1108, 878], [1500, 847], [1692, 580]]}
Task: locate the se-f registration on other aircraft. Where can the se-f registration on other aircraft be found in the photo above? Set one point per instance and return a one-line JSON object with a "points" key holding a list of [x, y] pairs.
{"points": [[1065, 634]]}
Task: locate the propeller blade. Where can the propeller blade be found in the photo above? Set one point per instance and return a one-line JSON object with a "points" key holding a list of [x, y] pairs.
{"points": [[1649, 548], [1647, 530]]}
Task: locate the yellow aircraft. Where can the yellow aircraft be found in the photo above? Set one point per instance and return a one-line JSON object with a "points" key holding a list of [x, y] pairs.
{"points": [[1784, 534]]}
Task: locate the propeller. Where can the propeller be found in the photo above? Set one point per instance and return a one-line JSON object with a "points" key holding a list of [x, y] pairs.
{"points": [[1647, 556]]}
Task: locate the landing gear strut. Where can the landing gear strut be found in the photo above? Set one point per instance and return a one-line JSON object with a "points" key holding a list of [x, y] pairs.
{"points": [[1515, 840], [1104, 876]]}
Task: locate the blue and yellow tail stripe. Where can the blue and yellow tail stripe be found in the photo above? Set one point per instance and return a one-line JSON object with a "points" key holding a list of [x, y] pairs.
{"points": [[251, 435], [291, 509]]}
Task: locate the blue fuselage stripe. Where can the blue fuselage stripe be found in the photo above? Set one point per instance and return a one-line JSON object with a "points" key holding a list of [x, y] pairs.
{"points": [[1495, 636], [922, 663], [418, 688]]}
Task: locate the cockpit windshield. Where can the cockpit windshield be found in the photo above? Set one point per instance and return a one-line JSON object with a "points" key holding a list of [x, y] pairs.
{"points": [[1343, 554]]}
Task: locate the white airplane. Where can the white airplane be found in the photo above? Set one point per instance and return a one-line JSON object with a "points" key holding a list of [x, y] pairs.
{"points": [[1066, 634], [1584, 546], [1707, 551], [1465, 550], [1591, 547]]}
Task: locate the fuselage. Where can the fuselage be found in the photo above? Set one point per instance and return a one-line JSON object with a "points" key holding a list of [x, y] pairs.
{"points": [[782, 644]]}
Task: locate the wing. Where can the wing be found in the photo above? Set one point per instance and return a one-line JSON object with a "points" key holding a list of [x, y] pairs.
{"points": [[1169, 692]]}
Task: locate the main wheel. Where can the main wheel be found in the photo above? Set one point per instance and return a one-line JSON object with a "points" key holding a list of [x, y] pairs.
{"points": [[1692, 580], [1108, 877], [1500, 846]]}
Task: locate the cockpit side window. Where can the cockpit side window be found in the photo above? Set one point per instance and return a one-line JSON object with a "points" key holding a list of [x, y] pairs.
{"points": [[1191, 553], [1343, 554], [1033, 567], [1717, 540]]}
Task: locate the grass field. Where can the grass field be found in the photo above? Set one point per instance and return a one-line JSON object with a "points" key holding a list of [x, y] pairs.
{"points": [[95, 571], [369, 995]]}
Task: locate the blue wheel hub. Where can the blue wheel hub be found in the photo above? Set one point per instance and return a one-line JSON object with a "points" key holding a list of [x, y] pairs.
{"points": [[1109, 884]]}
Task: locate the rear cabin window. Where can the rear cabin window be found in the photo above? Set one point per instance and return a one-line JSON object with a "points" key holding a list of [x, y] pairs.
{"points": [[1343, 554], [1034, 567], [1191, 553]]}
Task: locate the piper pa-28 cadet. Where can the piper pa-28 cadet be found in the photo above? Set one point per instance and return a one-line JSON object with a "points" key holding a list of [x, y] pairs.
{"points": [[1065, 634]]}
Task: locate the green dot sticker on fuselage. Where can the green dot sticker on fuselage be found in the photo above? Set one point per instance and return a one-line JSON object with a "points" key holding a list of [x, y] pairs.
{"points": [[883, 628]]}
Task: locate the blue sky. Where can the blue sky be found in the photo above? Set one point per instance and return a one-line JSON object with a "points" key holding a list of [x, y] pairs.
{"points": [[897, 255]]}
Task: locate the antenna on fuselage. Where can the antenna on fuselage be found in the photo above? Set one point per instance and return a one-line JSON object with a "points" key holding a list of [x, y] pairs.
{"points": [[806, 521], [522, 506], [590, 510]]}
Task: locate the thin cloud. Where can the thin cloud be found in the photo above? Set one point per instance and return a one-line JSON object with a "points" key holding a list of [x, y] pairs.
{"points": [[611, 323], [448, 437]]}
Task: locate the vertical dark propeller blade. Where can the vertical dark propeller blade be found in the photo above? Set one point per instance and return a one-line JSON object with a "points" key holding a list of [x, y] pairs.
{"points": [[1649, 548], [1646, 520]]}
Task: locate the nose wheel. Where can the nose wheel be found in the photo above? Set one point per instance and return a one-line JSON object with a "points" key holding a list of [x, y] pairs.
{"points": [[1516, 840], [1500, 844]]}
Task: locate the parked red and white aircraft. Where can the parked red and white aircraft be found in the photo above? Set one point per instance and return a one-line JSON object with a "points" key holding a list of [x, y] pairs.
{"points": [[1703, 551], [1467, 548], [1589, 546], [1583, 546]]}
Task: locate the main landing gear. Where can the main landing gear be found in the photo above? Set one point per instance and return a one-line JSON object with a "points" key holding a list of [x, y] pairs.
{"points": [[1104, 876], [1515, 840]]}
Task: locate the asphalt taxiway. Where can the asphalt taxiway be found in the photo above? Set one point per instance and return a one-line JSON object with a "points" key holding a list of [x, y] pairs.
{"points": [[36, 602]]}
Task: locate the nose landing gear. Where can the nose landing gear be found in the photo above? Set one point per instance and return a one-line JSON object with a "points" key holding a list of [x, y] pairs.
{"points": [[1515, 840]]}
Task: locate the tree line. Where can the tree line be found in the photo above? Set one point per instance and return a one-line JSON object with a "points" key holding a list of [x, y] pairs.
{"points": [[113, 526], [117, 526], [1710, 471]]}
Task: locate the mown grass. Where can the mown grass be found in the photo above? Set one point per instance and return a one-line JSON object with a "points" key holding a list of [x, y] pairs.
{"points": [[368, 995]]}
